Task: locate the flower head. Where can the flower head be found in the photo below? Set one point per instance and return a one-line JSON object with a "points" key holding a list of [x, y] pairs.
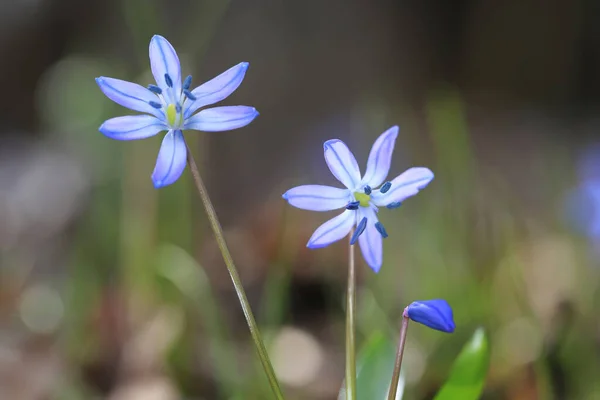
{"points": [[436, 314], [360, 196], [171, 106]]}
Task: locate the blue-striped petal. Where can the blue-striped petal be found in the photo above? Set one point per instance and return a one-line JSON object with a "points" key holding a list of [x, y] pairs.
{"points": [[164, 61], [436, 314], [405, 185], [332, 230], [370, 241], [132, 127], [129, 94], [318, 197], [380, 158], [171, 159], [342, 163], [221, 118], [216, 89]]}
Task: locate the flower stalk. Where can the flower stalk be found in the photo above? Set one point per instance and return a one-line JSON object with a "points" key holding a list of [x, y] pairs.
{"points": [[399, 355], [237, 284], [350, 324]]}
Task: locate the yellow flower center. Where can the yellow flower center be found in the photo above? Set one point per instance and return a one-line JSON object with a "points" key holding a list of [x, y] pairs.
{"points": [[362, 198], [172, 115]]}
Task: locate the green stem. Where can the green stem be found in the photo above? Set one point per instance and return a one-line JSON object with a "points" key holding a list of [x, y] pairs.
{"points": [[350, 303], [399, 354], [235, 278]]}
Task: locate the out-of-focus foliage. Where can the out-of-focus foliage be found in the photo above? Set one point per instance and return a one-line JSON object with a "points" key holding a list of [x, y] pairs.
{"points": [[112, 290], [374, 365], [467, 377]]}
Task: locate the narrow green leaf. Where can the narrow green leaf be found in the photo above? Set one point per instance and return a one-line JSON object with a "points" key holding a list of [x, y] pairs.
{"points": [[467, 377], [374, 366]]}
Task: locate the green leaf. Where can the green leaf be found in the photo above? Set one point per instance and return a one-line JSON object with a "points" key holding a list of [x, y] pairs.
{"points": [[469, 371], [374, 366]]}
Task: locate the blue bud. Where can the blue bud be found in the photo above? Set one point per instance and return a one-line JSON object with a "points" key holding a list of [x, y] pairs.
{"points": [[353, 205], [393, 205], [360, 228], [155, 104], [368, 190], [168, 80], [154, 89], [381, 229], [189, 95], [386, 186], [187, 82], [436, 314]]}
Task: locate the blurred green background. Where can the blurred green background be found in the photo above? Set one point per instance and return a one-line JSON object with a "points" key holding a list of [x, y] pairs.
{"points": [[110, 289]]}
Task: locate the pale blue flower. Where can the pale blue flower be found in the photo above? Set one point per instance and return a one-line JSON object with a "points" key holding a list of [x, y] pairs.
{"points": [[436, 314], [171, 106], [360, 196]]}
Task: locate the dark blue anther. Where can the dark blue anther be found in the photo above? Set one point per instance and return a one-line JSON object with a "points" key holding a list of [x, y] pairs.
{"points": [[381, 229], [386, 186], [360, 228], [393, 205], [154, 89], [155, 104], [187, 82], [168, 80], [368, 190], [353, 205], [178, 107], [189, 95]]}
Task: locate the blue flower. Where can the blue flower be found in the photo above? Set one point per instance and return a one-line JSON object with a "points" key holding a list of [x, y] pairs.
{"points": [[171, 106], [360, 196], [583, 202], [436, 314]]}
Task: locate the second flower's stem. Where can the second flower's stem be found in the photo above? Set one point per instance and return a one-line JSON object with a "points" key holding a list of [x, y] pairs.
{"points": [[350, 303], [235, 278], [399, 355]]}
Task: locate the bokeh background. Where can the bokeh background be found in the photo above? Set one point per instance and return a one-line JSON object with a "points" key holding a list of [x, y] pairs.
{"points": [[110, 289]]}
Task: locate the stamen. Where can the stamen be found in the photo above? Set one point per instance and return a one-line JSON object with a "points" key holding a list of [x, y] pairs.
{"points": [[154, 89], [178, 107], [360, 228], [168, 80], [393, 205], [353, 205], [368, 190], [386, 186], [189, 95], [187, 82], [381, 229], [155, 104]]}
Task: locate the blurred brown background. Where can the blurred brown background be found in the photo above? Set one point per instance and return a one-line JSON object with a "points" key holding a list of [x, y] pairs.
{"points": [[110, 289]]}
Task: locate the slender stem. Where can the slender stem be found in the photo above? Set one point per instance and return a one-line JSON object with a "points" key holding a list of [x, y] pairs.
{"points": [[237, 284], [399, 354], [350, 303]]}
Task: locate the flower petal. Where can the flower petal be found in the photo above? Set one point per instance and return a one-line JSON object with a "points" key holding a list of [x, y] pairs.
{"points": [[216, 89], [436, 314], [164, 60], [318, 197], [342, 163], [132, 127], [332, 230], [380, 158], [371, 242], [171, 159], [221, 118], [405, 185], [130, 95]]}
